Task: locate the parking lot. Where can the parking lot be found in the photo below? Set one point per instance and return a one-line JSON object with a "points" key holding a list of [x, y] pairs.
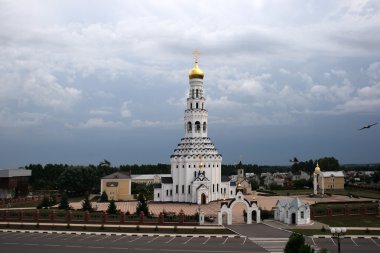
{"points": [[352, 244], [17, 242]]}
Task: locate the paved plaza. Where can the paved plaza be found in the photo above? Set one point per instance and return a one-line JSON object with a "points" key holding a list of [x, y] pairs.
{"points": [[211, 209]]}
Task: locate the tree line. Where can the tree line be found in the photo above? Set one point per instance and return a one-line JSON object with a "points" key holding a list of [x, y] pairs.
{"points": [[81, 180]]}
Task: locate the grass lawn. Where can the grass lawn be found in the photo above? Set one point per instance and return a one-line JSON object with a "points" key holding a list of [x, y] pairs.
{"points": [[310, 232], [294, 192], [351, 221], [346, 192]]}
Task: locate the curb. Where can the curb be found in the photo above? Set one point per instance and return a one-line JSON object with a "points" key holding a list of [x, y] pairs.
{"points": [[346, 236], [116, 234]]}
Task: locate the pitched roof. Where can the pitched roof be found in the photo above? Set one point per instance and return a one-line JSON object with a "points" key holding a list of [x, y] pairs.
{"points": [[118, 175], [291, 202], [332, 174]]}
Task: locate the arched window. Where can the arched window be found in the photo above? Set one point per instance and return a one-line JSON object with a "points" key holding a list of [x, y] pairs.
{"points": [[189, 129], [192, 93], [191, 105], [196, 105], [197, 93], [203, 106], [197, 127], [204, 126]]}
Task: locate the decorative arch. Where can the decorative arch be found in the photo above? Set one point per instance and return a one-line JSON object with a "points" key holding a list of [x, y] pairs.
{"points": [[197, 126], [239, 198], [189, 127]]}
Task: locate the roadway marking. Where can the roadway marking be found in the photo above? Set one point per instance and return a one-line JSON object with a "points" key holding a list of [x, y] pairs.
{"points": [[333, 241], [375, 242], [155, 238], [87, 237], [71, 237], [52, 245], [10, 243], [73, 246], [102, 238], [312, 239], [141, 249], [188, 240], [11, 235], [31, 244], [62, 235], [24, 236], [121, 237], [118, 248], [354, 242], [136, 239], [245, 239], [95, 247], [225, 241], [207, 240], [170, 240]]}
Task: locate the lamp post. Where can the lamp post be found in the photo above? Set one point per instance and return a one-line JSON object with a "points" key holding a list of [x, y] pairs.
{"points": [[338, 232]]}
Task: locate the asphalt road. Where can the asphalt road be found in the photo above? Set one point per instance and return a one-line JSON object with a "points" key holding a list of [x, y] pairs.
{"points": [[33, 242], [259, 238]]}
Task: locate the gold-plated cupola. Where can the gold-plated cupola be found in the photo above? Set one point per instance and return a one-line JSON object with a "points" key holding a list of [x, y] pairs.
{"points": [[196, 72]]}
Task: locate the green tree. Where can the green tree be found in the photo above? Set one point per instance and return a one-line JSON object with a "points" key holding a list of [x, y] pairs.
{"points": [[296, 244], [142, 206], [64, 203], [103, 197], [45, 203], [254, 184], [329, 164], [86, 204], [112, 207]]}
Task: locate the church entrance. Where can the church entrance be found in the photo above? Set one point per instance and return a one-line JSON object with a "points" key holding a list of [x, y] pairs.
{"points": [[293, 218], [242, 212], [203, 199]]}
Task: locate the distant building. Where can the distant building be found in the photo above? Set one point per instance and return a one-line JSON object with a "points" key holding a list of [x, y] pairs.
{"points": [[14, 182], [117, 186], [327, 180], [292, 211], [148, 178], [302, 175], [242, 183]]}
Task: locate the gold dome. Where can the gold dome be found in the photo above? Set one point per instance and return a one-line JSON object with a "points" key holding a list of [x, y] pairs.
{"points": [[317, 168], [196, 72]]}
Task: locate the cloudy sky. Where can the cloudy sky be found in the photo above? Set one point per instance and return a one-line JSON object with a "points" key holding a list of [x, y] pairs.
{"points": [[83, 81]]}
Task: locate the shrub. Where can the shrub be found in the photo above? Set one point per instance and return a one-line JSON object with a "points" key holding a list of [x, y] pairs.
{"points": [[137, 228], [296, 244], [323, 229]]}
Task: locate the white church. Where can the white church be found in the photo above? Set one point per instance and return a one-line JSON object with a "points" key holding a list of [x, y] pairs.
{"points": [[195, 162]]}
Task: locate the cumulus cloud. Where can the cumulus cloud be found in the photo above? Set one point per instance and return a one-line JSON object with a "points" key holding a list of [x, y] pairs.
{"points": [[125, 111], [97, 123], [20, 119], [374, 70]]}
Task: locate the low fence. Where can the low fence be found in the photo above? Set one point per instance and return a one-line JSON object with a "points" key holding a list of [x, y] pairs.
{"points": [[58, 216], [6, 203], [330, 211]]}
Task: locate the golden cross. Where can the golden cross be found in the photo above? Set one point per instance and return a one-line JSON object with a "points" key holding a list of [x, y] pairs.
{"points": [[196, 54]]}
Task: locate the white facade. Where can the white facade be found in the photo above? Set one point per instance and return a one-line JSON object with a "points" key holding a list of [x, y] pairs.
{"points": [[195, 163], [292, 211]]}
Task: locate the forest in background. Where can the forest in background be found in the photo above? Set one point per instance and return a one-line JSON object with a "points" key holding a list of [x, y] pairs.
{"points": [[81, 180]]}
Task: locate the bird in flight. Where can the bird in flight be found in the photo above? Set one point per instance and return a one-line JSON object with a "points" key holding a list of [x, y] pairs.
{"points": [[295, 160], [367, 126]]}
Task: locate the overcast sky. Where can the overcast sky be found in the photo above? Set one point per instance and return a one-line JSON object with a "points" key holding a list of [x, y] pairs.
{"points": [[83, 81]]}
